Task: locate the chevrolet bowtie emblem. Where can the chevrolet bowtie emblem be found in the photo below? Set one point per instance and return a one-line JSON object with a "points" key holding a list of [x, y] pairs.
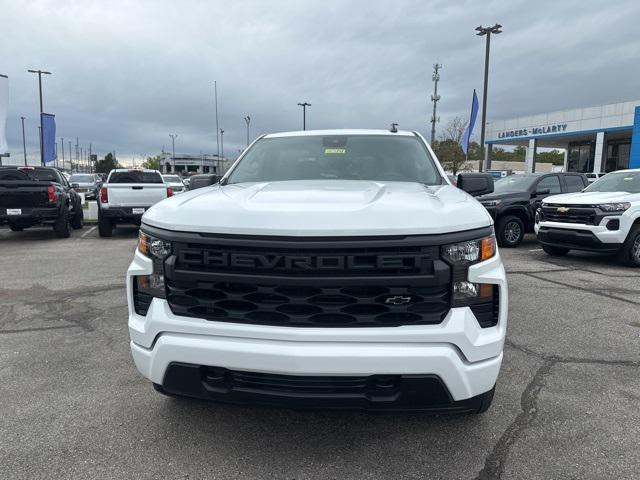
{"points": [[397, 300], [563, 209]]}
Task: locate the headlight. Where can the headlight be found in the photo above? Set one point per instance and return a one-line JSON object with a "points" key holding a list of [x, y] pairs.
{"points": [[471, 251], [460, 256], [491, 203], [153, 247], [615, 207]]}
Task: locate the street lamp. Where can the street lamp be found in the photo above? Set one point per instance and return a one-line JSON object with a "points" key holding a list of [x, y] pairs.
{"points": [[40, 73], [222, 144], [247, 119], [482, 31], [24, 143], [304, 106], [173, 149]]}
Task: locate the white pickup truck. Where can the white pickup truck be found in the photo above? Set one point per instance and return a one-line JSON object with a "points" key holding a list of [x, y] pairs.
{"points": [[335, 268], [126, 195], [604, 217]]}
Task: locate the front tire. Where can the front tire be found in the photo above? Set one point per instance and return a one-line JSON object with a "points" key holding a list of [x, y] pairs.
{"points": [[105, 227], [629, 253], [16, 228], [510, 231], [555, 251], [61, 225]]}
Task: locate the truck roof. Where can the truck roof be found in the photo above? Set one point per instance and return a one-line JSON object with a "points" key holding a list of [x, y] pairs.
{"points": [[346, 131]]}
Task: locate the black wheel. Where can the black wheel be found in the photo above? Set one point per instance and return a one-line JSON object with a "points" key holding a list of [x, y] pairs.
{"points": [[105, 227], [77, 222], [629, 253], [485, 400], [510, 231], [61, 225], [16, 228], [555, 251]]}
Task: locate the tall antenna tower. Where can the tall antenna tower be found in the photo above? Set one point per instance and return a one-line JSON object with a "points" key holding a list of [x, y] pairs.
{"points": [[435, 98]]}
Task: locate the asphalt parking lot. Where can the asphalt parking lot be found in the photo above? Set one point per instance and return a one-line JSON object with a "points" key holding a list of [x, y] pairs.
{"points": [[73, 405]]}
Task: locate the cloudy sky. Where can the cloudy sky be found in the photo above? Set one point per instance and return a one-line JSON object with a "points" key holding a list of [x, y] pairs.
{"points": [[127, 74]]}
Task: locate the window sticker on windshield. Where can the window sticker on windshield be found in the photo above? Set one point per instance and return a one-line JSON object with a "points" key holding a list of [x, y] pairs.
{"points": [[332, 151]]}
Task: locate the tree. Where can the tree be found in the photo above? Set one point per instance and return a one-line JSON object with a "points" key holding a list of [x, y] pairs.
{"points": [[449, 149], [554, 156], [152, 163], [107, 164]]}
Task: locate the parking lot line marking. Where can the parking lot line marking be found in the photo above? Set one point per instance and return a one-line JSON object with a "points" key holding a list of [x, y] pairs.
{"points": [[87, 232], [536, 250]]}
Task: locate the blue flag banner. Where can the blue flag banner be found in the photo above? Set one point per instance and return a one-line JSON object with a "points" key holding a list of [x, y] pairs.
{"points": [[472, 121], [49, 137]]}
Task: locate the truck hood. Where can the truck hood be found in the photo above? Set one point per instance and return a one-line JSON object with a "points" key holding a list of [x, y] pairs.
{"points": [[592, 198], [321, 208]]}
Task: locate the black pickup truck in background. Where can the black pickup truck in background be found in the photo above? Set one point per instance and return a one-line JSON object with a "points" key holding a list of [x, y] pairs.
{"points": [[38, 195], [516, 198]]}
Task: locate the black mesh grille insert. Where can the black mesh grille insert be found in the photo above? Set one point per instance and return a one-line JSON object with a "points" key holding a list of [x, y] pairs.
{"points": [[324, 306]]}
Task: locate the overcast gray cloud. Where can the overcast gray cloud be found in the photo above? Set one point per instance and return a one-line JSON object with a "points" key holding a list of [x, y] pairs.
{"points": [[126, 74]]}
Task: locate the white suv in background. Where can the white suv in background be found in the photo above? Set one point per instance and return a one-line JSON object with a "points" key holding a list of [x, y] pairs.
{"points": [[604, 217], [335, 268]]}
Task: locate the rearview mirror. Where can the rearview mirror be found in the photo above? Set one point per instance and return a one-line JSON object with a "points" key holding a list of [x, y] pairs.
{"points": [[475, 184], [543, 191], [75, 185]]}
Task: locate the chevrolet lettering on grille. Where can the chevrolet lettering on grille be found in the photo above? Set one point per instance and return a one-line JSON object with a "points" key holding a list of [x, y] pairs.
{"points": [[255, 261]]}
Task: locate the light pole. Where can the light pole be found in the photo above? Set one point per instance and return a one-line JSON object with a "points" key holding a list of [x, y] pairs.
{"points": [[40, 73], [24, 143], [222, 143], [62, 145], [304, 106], [173, 148], [215, 94], [435, 98], [482, 31], [70, 158], [247, 119]]}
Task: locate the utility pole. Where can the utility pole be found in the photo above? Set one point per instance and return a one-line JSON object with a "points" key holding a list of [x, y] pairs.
{"points": [[90, 169], [247, 119], [482, 31], [77, 152], [40, 73], [62, 145], [70, 158], [435, 98], [24, 143], [215, 93], [304, 106], [40, 139]]}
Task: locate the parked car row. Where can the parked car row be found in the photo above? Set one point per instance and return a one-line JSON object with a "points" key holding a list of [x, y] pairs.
{"points": [[568, 212], [31, 196]]}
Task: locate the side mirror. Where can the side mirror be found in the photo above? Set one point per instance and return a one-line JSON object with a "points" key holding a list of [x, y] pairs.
{"points": [[475, 184], [544, 191], [75, 185]]}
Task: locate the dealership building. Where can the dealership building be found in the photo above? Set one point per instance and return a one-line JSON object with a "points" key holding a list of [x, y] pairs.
{"points": [[191, 164], [594, 139]]}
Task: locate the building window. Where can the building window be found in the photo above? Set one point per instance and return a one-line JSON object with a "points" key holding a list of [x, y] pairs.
{"points": [[580, 157], [167, 167], [205, 169], [617, 155]]}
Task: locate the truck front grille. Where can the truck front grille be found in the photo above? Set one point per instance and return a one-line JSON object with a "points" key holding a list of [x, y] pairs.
{"points": [[569, 214], [305, 305]]}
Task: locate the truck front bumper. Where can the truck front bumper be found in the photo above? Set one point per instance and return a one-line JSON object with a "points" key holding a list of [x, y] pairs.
{"points": [[457, 358], [592, 238]]}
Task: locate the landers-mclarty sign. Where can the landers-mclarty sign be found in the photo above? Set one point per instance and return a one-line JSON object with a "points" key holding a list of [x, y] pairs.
{"points": [[525, 132]]}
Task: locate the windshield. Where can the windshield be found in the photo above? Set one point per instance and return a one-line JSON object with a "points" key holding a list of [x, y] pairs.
{"points": [[514, 183], [337, 157], [172, 178], [81, 179], [617, 182], [135, 176]]}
